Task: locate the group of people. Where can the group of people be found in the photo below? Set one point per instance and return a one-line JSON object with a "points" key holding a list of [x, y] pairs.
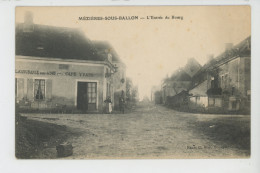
{"points": [[121, 103]]}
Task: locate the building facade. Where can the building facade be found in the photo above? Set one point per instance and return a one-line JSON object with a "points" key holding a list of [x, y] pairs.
{"points": [[118, 83], [50, 83], [60, 68], [229, 80], [198, 95], [224, 83], [180, 81]]}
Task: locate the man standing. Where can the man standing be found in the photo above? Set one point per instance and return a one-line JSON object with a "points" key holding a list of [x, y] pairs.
{"points": [[122, 103]]}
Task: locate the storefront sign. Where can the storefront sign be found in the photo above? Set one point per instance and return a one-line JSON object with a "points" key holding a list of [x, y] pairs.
{"points": [[55, 73]]}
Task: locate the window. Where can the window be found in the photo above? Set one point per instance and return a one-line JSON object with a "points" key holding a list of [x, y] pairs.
{"points": [[234, 105], [222, 82], [64, 66], [211, 101], [92, 92], [39, 89], [226, 81], [197, 99], [233, 91], [218, 102]]}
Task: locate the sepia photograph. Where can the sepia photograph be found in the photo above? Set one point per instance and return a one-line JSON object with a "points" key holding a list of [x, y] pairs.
{"points": [[133, 82]]}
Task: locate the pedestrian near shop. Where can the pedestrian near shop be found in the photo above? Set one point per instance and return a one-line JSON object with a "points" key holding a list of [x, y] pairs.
{"points": [[122, 103]]}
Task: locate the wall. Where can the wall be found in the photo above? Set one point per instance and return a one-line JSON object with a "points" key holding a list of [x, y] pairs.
{"points": [[234, 78], [199, 96], [171, 88], [61, 81]]}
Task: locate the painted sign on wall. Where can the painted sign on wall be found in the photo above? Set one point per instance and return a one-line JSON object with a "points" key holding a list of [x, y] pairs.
{"points": [[56, 73]]}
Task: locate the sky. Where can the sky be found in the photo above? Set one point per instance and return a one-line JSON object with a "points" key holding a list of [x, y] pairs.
{"points": [[154, 48]]}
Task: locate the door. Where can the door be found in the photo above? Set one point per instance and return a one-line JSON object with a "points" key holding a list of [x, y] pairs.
{"points": [[82, 98], [87, 96]]}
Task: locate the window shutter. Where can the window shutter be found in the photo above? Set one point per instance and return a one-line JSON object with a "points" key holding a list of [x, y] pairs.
{"points": [[20, 84], [48, 89], [30, 91]]}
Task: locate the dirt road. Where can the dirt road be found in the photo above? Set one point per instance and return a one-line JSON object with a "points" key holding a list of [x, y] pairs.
{"points": [[152, 132]]}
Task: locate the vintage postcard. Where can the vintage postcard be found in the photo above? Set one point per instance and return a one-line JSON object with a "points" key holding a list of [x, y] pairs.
{"points": [[133, 82]]}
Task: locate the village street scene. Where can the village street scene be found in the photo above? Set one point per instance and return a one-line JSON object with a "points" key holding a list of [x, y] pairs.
{"points": [[155, 84]]}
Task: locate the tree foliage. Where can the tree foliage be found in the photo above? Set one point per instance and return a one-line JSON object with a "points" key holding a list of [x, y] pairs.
{"points": [[132, 94]]}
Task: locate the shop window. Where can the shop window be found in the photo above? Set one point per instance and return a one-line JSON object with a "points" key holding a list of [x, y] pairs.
{"points": [[39, 89], [92, 92]]}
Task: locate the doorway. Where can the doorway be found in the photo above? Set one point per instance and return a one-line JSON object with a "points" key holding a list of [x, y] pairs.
{"points": [[87, 96]]}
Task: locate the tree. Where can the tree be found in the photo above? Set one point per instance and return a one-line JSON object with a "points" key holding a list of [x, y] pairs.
{"points": [[132, 95], [135, 94], [129, 85]]}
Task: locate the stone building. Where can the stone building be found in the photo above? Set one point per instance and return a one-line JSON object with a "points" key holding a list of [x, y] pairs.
{"points": [[60, 68], [119, 77], [180, 81], [199, 86], [229, 79], [223, 84]]}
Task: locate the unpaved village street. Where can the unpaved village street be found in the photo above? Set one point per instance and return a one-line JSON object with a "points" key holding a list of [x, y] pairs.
{"points": [[152, 131]]}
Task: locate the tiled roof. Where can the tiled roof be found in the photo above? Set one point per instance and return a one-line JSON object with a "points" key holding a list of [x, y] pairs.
{"points": [[241, 49], [180, 75], [54, 42], [192, 67]]}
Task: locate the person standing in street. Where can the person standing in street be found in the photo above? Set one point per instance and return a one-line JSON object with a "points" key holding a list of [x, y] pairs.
{"points": [[122, 103]]}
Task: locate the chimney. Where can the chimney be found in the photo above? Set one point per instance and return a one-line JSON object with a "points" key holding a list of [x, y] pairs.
{"points": [[228, 46], [28, 22]]}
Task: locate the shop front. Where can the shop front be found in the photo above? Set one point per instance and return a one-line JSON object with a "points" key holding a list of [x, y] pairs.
{"points": [[48, 84]]}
